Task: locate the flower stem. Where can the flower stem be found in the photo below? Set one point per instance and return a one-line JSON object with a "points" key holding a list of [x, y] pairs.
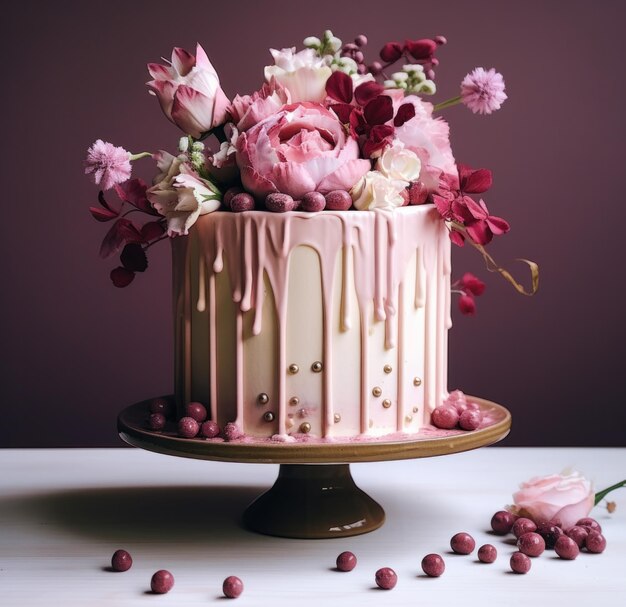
{"points": [[140, 155], [602, 494], [447, 103]]}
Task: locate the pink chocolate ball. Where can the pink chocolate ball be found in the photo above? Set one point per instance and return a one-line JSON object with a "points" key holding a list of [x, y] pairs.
{"points": [[231, 431], [312, 202], [445, 417], [566, 548], [531, 544], [433, 565], [578, 534], [229, 194], [209, 429], [520, 563], [591, 523], [595, 542], [502, 522], [242, 202], [470, 419], [338, 200], [346, 561], [487, 553], [156, 421], [232, 587], [196, 410], [121, 561], [162, 582], [523, 525], [386, 578], [161, 405], [279, 203], [188, 427], [462, 543]]}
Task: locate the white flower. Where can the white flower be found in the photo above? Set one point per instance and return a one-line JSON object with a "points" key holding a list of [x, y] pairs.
{"points": [[376, 191], [303, 74], [398, 162]]}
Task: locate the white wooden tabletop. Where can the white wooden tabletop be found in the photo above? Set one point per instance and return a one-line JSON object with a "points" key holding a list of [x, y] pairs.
{"points": [[64, 512]]}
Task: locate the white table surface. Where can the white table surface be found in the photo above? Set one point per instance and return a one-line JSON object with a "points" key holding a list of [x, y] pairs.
{"points": [[64, 512]]}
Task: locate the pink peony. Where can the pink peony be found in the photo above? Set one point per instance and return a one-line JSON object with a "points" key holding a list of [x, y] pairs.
{"points": [[189, 91], [109, 164], [303, 148], [483, 91], [248, 110], [565, 498], [429, 138]]}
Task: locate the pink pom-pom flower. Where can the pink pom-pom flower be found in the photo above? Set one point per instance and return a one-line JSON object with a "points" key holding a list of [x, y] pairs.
{"points": [[109, 164], [482, 91]]}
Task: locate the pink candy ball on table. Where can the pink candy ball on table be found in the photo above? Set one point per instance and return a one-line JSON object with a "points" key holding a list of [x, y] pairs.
{"points": [[550, 532], [229, 194], [433, 565], [162, 582], [312, 202], [279, 203], [566, 548], [531, 544], [209, 429], [156, 421], [595, 542], [346, 561], [462, 543], [470, 419], [232, 587], [445, 417], [188, 427], [502, 522], [578, 534], [196, 410], [242, 202], [231, 431], [591, 523], [487, 553], [523, 525], [338, 200], [121, 561], [520, 563], [386, 578]]}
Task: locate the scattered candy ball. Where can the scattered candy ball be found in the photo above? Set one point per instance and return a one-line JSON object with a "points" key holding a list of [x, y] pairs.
{"points": [[156, 421], [188, 427], [232, 587], [161, 405], [197, 411], [531, 544], [162, 582], [550, 532], [279, 203], [121, 561], [231, 431], [242, 202], [209, 429], [445, 417], [462, 543], [520, 563], [433, 565], [578, 534], [595, 542], [338, 200], [346, 561], [487, 553], [502, 522], [591, 523], [386, 578], [523, 525], [470, 419], [229, 194], [313, 202], [566, 548]]}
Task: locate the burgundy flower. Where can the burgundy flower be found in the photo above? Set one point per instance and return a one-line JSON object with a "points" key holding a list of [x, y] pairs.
{"points": [[480, 226], [471, 285], [467, 305]]}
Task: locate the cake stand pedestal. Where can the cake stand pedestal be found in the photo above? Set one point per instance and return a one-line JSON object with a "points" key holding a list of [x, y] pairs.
{"points": [[314, 495]]}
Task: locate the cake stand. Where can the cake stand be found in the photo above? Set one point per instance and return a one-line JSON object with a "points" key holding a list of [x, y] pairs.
{"points": [[314, 495]]}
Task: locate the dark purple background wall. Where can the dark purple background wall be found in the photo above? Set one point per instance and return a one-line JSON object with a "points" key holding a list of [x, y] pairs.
{"points": [[76, 350]]}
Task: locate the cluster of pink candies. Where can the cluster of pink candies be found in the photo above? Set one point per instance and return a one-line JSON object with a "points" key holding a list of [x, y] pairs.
{"points": [[236, 200], [457, 412], [534, 538], [163, 581]]}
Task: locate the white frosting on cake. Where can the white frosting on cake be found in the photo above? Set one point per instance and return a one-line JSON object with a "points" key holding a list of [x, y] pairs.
{"points": [[364, 294]]}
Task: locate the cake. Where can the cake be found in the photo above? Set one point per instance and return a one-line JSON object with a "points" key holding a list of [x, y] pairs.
{"points": [[311, 244]]}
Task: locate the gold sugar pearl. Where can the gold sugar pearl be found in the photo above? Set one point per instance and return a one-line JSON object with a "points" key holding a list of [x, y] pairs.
{"points": [[293, 368], [387, 369], [337, 418], [408, 419], [305, 428], [317, 367], [377, 391], [268, 416], [386, 403], [294, 400], [417, 381], [415, 409], [263, 398]]}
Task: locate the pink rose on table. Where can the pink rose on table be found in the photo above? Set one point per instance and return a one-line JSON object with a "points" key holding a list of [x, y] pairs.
{"points": [[189, 91], [560, 497], [303, 148], [248, 110]]}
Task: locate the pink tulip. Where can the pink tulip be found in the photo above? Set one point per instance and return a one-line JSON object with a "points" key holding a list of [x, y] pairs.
{"points": [[302, 148], [189, 91]]}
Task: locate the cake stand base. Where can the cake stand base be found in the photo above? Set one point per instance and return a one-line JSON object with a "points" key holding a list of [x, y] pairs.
{"points": [[311, 501]]}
